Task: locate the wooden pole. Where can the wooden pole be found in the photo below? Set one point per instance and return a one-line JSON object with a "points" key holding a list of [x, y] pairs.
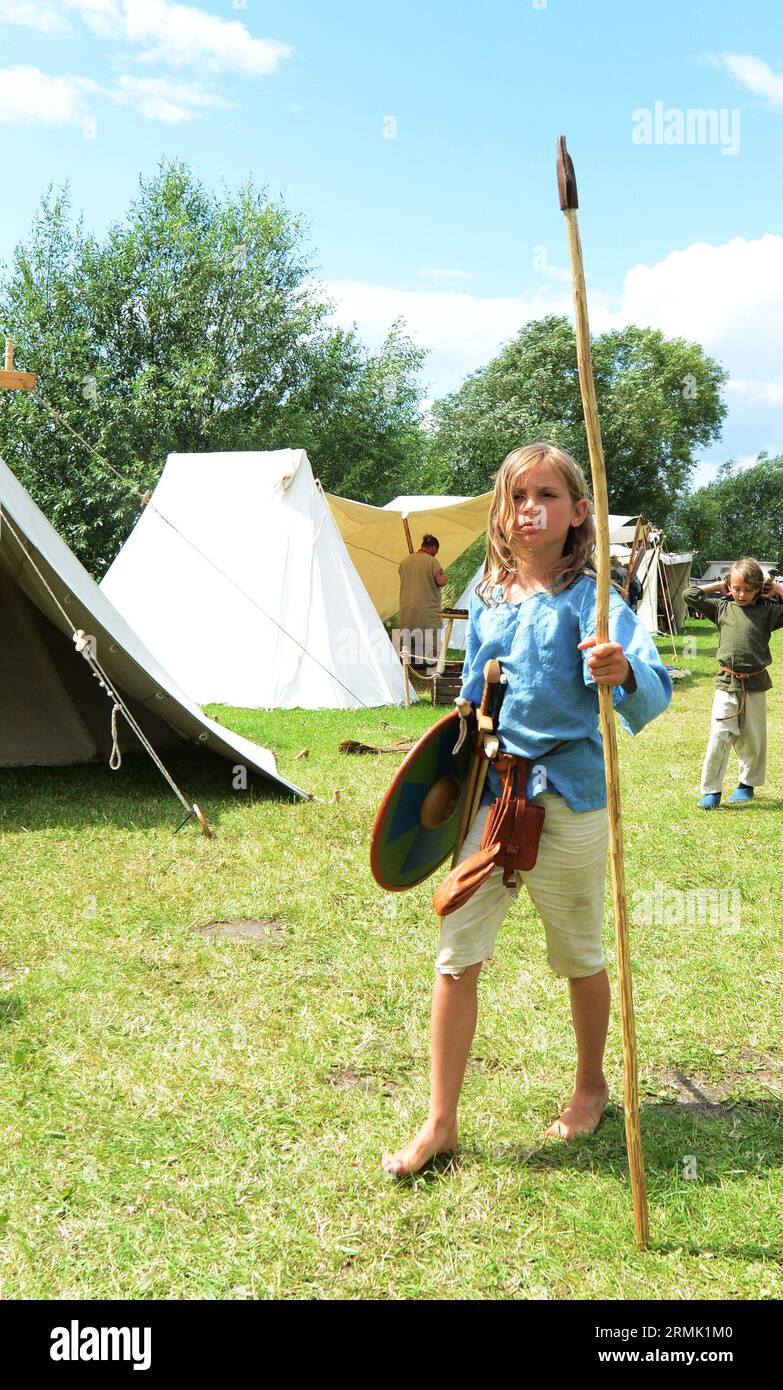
{"points": [[477, 774], [11, 380], [444, 646], [667, 608], [569, 203], [668, 601], [633, 562], [406, 528], [406, 677]]}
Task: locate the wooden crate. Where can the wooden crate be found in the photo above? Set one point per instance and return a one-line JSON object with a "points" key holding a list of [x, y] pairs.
{"points": [[446, 688]]}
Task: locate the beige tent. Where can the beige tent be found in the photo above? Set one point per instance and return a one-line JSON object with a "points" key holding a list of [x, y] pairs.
{"points": [[376, 537], [52, 709]]}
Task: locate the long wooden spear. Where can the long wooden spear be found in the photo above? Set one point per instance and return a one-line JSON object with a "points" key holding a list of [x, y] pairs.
{"points": [[569, 202]]}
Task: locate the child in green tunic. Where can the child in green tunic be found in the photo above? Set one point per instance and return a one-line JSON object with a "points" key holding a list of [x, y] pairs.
{"points": [[739, 707]]}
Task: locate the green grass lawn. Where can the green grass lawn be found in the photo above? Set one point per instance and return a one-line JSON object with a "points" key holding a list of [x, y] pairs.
{"points": [[185, 1116]]}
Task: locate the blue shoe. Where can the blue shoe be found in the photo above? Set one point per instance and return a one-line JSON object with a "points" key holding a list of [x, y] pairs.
{"points": [[711, 801], [743, 793]]}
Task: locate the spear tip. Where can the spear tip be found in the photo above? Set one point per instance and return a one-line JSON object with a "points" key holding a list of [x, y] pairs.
{"points": [[566, 178]]}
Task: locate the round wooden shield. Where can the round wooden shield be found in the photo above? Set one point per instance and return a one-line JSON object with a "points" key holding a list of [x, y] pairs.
{"points": [[416, 826]]}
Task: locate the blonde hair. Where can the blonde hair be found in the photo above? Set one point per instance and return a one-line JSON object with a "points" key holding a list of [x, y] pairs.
{"points": [[750, 570], [501, 562]]}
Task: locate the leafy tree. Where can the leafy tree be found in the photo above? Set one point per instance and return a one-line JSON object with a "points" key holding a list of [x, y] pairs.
{"points": [[45, 309], [659, 400], [741, 513], [357, 411], [193, 325]]}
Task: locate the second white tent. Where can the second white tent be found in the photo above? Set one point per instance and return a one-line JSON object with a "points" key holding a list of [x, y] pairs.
{"points": [[237, 577]]}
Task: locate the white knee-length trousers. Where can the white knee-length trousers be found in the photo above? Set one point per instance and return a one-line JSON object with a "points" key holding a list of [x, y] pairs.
{"points": [[746, 732]]}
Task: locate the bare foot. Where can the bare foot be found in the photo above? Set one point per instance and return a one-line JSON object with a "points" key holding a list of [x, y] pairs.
{"points": [[431, 1140], [582, 1115]]}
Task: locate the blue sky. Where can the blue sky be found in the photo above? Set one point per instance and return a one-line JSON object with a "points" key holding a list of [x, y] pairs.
{"points": [[419, 139]]}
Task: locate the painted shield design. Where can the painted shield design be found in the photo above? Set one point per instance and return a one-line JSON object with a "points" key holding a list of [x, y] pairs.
{"points": [[418, 820]]}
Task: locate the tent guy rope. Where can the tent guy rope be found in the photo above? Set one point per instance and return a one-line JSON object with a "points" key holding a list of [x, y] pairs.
{"points": [[83, 646]]}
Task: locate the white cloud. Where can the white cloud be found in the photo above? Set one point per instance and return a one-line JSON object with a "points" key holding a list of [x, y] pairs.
{"points": [[29, 14], [758, 392], [157, 99], [181, 34], [748, 462], [752, 73], [557, 273], [102, 16], [173, 34], [729, 298], [177, 35], [462, 331], [31, 97], [439, 273]]}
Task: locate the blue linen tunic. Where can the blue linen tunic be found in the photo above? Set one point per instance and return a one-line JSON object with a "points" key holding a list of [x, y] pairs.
{"points": [[551, 694]]}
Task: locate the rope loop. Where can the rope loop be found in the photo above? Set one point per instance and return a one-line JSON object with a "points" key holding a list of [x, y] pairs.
{"points": [[84, 646], [115, 761]]}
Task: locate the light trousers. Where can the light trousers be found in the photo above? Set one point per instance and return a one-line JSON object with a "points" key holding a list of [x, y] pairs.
{"points": [[566, 886], [746, 732]]}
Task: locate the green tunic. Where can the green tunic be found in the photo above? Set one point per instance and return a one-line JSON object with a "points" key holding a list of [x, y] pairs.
{"points": [[744, 636]]}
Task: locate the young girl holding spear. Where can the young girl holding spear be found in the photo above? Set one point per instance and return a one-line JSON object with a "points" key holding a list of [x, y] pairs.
{"points": [[535, 610]]}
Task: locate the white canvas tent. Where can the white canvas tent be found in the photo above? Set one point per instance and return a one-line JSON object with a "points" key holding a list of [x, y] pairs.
{"points": [[236, 574], [52, 711], [714, 569], [376, 541], [663, 575]]}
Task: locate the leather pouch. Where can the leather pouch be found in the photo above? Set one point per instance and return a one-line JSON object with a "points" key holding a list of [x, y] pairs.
{"points": [[510, 841]]}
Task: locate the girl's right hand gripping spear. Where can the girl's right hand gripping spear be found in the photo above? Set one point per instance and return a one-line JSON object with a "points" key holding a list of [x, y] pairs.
{"points": [[569, 202]]}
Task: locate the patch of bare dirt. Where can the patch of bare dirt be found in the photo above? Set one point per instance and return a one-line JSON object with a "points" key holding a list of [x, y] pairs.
{"points": [[346, 1076], [700, 1095], [266, 931]]}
